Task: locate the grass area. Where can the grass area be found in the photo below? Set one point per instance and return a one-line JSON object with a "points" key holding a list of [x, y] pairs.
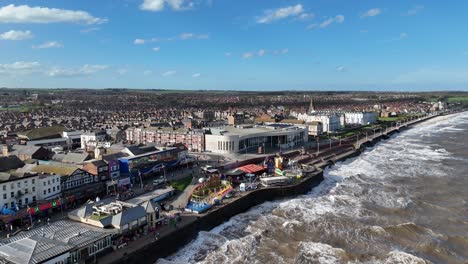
{"points": [[462, 99], [98, 217], [23, 108], [181, 184]]}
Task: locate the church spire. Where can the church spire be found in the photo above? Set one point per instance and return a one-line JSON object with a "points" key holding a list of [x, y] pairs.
{"points": [[311, 106]]}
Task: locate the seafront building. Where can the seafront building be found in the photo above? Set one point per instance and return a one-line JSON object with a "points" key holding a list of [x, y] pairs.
{"points": [[240, 138], [59, 242], [193, 139]]}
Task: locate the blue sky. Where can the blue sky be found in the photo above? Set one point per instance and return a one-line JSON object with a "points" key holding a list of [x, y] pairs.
{"points": [[399, 45]]}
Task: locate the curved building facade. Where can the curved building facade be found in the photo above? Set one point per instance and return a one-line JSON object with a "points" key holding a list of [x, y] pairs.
{"points": [[234, 139]]}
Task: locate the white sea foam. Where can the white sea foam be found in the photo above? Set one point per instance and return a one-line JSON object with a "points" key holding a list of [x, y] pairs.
{"points": [[375, 177]]}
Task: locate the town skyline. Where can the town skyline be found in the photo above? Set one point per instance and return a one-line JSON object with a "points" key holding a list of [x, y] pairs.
{"points": [[215, 45]]}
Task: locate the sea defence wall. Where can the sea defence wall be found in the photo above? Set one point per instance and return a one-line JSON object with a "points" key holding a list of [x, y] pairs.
{"points": [[169, 244]]}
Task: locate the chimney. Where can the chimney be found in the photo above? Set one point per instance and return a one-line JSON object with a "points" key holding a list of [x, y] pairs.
{"points": [[5, 150]]}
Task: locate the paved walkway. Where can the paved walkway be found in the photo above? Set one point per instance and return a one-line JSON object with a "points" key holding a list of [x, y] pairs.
{"points": [[141, 242]]}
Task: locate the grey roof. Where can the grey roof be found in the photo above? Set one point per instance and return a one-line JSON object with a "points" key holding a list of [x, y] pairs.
{"points": [[151, 207], [72, 157], [129, 215], [46, 242], [137, 150], [115, 156], [10, 163], [24, 150]]}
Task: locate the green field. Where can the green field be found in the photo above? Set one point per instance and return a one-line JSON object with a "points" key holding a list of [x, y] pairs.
{"points": [[23, 109], [462, 99], [181, 184]]}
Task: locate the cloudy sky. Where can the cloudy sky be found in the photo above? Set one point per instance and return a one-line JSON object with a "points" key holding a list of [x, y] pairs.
{"points": [[242, 45]]}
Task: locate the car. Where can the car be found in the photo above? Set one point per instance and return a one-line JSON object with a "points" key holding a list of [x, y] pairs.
{"points": [[159, 181]]}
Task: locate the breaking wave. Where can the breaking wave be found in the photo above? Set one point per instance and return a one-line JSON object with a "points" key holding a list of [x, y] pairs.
{"points": [[377, 208]]}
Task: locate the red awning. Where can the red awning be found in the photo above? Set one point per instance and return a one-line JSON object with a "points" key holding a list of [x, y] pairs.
{"points": [[251, 168]]}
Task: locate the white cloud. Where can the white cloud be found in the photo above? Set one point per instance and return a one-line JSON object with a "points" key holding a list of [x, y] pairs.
{"points": [[337, 19], [196, 75], [19, 67], [88, 30], [372, 12], [185, 36], [16, 35], [263, 52], [340, 68], [415, 10], [27, 14], [156, 49], [147, 72], [282, 51], [272, 15], [247, 55], [182, 36], [168, 73], [228, 54], [49, 45], [74, 72], [306, 16], [403, 35], [139, 41], [159, 5]]}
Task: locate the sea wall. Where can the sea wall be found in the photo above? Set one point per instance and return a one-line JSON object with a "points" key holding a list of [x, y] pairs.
{"points": [[168, 245]]}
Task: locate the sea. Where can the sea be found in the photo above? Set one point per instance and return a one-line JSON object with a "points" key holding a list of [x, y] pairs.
{"points": [[405, 200]]}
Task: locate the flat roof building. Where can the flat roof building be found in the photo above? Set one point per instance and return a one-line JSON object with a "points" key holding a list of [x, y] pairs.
{"points": [[234, 139]]}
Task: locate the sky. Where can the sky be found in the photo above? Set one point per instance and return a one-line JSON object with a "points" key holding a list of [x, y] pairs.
{"points": [[398, 45]]}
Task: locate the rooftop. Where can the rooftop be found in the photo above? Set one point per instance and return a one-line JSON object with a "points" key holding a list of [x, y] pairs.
{"points": [[44, 243], [244, 130]]}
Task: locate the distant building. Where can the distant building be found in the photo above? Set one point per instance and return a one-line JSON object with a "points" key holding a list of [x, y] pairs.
{"points": [[360, 118], [330, 121], [193, 139], [315, 128], [235, 119], [92, 138]]}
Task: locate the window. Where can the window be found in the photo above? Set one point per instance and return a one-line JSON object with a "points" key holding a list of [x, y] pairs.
{"points": [[48, 191], [33, 189], [12, 194], [12, 204], [33, 181], [48, 182], [12, 186], [44, 192], [34, 198], [4, 187], [44, 183], [20, 202], [53, 189], [4, 196], [5, 205], [26, 200], [26, 182], [19, 184], [26, 190], [58, 187]]}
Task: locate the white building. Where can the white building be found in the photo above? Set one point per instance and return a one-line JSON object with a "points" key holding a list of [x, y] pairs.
{"points": [[21, 191], [233, 139], [361, 118], [330, 121], [92, 136]]}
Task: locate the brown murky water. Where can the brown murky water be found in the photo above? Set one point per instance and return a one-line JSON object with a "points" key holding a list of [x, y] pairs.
{"points": [[403, 201]]}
